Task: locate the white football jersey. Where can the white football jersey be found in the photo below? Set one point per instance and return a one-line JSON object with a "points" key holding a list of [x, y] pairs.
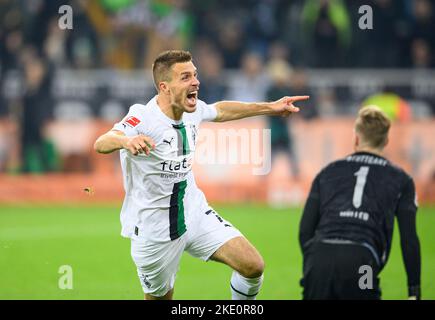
{"points": [[161, 196]]}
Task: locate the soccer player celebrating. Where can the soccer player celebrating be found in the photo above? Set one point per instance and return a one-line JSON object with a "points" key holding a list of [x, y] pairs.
{"points": [[164, 213], [348, 219]]}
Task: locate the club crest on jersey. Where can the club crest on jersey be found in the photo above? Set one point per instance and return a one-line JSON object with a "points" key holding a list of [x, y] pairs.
{"points": [[132, 121], [194, 133]]}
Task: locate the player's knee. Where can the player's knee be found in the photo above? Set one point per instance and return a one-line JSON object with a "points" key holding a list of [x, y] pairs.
{"points": [[167, 296], [254, 268]]}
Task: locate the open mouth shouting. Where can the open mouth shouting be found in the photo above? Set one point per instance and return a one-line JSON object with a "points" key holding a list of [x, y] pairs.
{"points": [[192, 98]]}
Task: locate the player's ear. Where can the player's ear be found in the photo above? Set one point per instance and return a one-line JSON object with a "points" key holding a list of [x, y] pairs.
{"points": [[356, 141], [163, 86], [386, 141]]}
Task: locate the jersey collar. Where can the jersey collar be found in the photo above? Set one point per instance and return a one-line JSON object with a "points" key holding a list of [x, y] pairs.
{"points": [[368, 154], [163, 116]]}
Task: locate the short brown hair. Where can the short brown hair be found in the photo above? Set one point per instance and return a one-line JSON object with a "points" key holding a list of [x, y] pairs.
{"points": [[373, 125], [163, 63]]}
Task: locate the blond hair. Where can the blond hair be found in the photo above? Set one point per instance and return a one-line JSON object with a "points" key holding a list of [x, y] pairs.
{"points": [[372, 124]]}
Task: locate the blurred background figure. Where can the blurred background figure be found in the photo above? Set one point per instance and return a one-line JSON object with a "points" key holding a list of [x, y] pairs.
{"points": [[210, 64], [327, 104], [252, 82], [231, 36], [281, 132], [81, 45], [172, 27], [421, 54], [37, 153], [264, 26], [327, 30], [385, 38], [422, 17], [299, 85]]}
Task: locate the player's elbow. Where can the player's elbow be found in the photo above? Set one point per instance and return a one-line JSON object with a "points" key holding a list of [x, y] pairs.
{"points": [[220, 116], [99, 145]]}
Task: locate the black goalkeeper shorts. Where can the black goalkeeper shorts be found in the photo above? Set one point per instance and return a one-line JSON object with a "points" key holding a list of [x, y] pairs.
{"points": [[340, 272]]}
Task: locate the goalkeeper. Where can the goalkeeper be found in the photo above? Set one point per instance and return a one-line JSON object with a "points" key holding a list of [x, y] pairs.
{"points": [[348, 219]]}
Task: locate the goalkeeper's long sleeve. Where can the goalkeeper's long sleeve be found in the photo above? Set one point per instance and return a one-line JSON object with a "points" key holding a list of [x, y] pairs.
{"points": [[310, 216], [406, 216]]}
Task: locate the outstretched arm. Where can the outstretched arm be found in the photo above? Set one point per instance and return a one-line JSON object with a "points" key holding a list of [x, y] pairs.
{"points": [[115, 140], [234, 110], [406, 217]]}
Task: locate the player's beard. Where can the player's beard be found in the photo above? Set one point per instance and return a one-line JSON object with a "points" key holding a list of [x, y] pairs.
{"points": [[182, 102]]}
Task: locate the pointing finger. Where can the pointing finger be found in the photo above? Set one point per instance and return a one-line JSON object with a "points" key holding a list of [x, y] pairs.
{"points": [[297, 98]]}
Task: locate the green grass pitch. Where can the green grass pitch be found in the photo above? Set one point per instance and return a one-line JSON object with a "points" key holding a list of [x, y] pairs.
{"points": [[35, 241]]}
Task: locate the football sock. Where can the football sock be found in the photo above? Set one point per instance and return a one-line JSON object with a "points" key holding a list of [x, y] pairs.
{"points": [[244, 288]]}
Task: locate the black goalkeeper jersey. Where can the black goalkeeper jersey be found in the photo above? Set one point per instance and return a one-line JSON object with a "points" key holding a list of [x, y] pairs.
{"points": [[356, 199]]}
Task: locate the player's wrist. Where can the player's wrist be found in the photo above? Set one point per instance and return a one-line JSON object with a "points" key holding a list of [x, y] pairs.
{"points": [[264, 108], [123, 141]]}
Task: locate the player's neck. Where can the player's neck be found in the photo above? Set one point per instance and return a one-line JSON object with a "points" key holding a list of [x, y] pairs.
{"points": [[377, 152], [168, 109]]}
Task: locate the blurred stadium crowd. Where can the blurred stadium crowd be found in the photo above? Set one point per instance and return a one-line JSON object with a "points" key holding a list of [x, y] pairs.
{"points": [[245, 50], [127, 34]]}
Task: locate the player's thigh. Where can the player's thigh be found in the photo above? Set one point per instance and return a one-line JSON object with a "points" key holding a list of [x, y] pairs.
{"points": [[217, 239], [242, 256], [356, 288], [318, 273], [208, 232], [356, 277], [157, 264]]}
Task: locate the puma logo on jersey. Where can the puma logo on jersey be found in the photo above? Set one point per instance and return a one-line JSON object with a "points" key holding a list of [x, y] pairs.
{"points": [[168, 142]]}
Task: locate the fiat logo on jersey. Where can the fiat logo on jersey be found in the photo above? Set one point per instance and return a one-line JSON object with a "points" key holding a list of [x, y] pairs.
{"points": [[132, 121], [169, 165]]}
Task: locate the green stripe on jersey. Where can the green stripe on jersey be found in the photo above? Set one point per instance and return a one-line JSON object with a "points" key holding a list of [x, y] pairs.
{"points": [[177, 224], [182, 136]]}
